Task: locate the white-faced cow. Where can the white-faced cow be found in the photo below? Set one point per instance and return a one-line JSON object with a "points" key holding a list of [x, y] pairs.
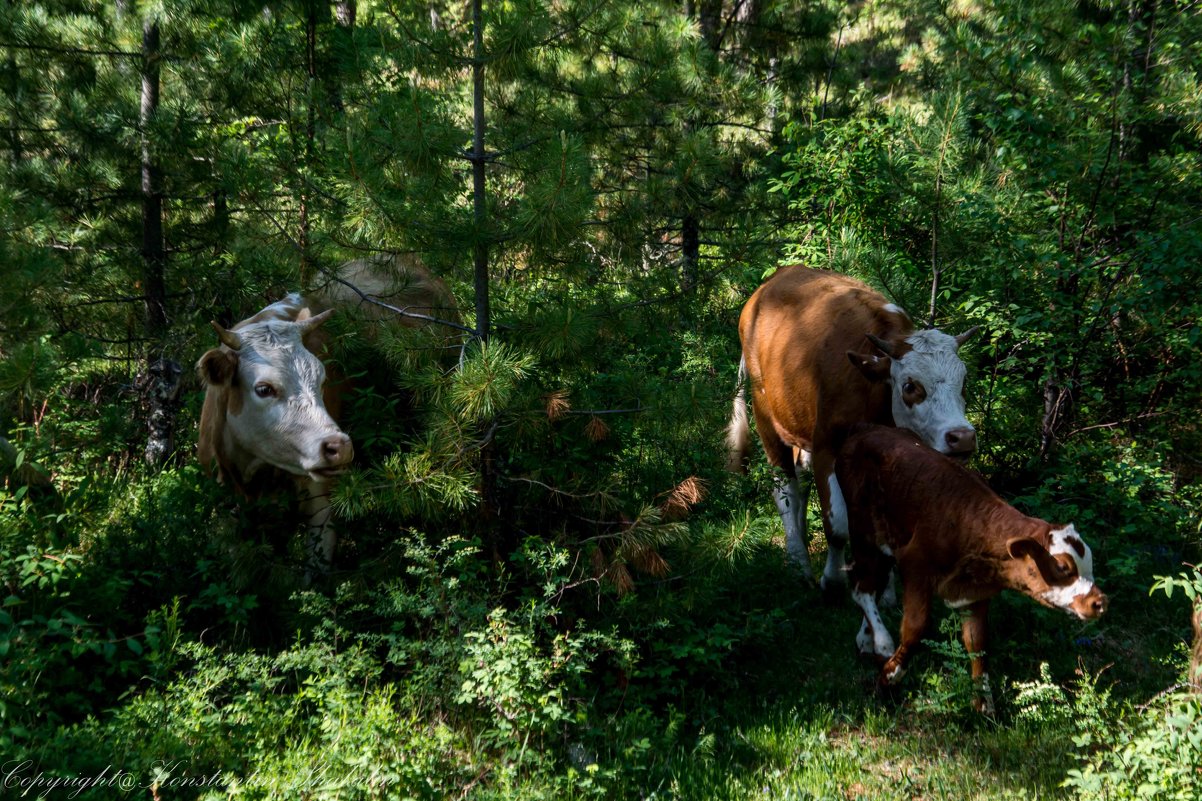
{"points": [[951, 536], [823, 351], [268, 406]]}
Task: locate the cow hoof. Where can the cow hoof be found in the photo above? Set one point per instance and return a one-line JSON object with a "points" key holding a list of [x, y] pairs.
{"points": [[984, 705]]}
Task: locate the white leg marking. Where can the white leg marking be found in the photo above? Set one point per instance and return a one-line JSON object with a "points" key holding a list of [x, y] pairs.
{"points": [[881, 640], [834, 573], [787, 495], [864, 638], [315, 502], [804, 460], [985, 696]]}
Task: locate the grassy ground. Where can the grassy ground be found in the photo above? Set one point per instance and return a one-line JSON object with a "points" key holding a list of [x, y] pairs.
{"points": [[795, 713]]}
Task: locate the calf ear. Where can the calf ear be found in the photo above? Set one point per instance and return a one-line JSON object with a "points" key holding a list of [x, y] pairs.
{"points": [[217, 367], [1027, 547], [874, 368]]}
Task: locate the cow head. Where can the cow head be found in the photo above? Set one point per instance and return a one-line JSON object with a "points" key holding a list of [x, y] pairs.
{"points": [[274, 413], [1063, 572], [927, 381]]}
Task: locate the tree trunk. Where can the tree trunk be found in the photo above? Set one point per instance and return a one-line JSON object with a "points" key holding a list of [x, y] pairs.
{"points": [[158, 384], [690, 251], [479, 198], [303, 224], [154, 257], [1195, 662]]}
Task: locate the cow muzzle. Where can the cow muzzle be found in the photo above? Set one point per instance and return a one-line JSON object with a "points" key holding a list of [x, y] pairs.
{"points": [[1090, 605], [960, 443], [335, 455]]}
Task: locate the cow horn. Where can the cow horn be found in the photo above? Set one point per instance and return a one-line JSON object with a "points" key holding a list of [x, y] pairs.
{"points": [[228, 338], [307, 325], [884, 347], [967, 335]]}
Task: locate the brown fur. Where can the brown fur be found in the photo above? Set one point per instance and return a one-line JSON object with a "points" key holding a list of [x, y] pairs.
{"points": [[950, 534], [796, 331]]}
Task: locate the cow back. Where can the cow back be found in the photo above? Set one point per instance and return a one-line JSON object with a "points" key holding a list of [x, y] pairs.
{"points": [[797, 330]]}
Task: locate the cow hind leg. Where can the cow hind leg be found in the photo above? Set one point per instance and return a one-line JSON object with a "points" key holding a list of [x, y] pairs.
{"points": [[834, 508], [791, 502]]}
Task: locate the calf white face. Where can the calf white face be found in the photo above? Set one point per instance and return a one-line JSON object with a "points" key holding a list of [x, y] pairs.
{"points": [[275, 413], [1065, 573], [927, 380]]}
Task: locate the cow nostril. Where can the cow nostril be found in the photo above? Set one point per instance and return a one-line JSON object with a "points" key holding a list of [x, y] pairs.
{"points": [[1099, 605], [961, 440], [336, 449]]}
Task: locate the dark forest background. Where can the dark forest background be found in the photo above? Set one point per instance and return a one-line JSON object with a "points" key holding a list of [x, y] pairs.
{"points": [[546, 586]]}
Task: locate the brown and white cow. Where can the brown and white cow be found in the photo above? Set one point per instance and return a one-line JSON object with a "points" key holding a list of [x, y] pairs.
{"points": [[268, 408], [823, 351], [951, 536]]}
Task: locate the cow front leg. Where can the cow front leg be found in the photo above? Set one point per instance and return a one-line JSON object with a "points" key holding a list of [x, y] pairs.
{"points": [[315, 506], [916, 613], [791, 503], [974, 632]]}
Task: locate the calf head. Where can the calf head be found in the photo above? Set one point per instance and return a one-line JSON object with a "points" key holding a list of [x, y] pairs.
{"points": [[1060, 575], [274, 413], [927, 381]]}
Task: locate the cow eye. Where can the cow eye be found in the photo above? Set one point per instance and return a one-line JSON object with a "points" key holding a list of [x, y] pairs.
{"points": [[909, 388], [265, 390]]}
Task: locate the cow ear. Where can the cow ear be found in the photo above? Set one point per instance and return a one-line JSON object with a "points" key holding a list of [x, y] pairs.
{"points": [[874, 368], [217, 367], [1028, 547]]}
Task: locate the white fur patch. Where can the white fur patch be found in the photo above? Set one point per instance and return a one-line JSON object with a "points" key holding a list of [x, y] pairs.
{"points": [[864, 639], [1063, 543], [893, 308], [895, 675], [787, 495], [934, 364], [1063, 597], [833, 574], [286, 429], [838, 511], [881, 639], [958, 603]]}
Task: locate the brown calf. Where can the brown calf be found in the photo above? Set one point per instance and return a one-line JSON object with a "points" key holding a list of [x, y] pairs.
{"points": [[823, 351], [951, 536]]}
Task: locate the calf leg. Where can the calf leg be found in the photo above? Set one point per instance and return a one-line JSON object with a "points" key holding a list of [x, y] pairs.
{"points": [[973, 631], [874, 638], [916, 613]]}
